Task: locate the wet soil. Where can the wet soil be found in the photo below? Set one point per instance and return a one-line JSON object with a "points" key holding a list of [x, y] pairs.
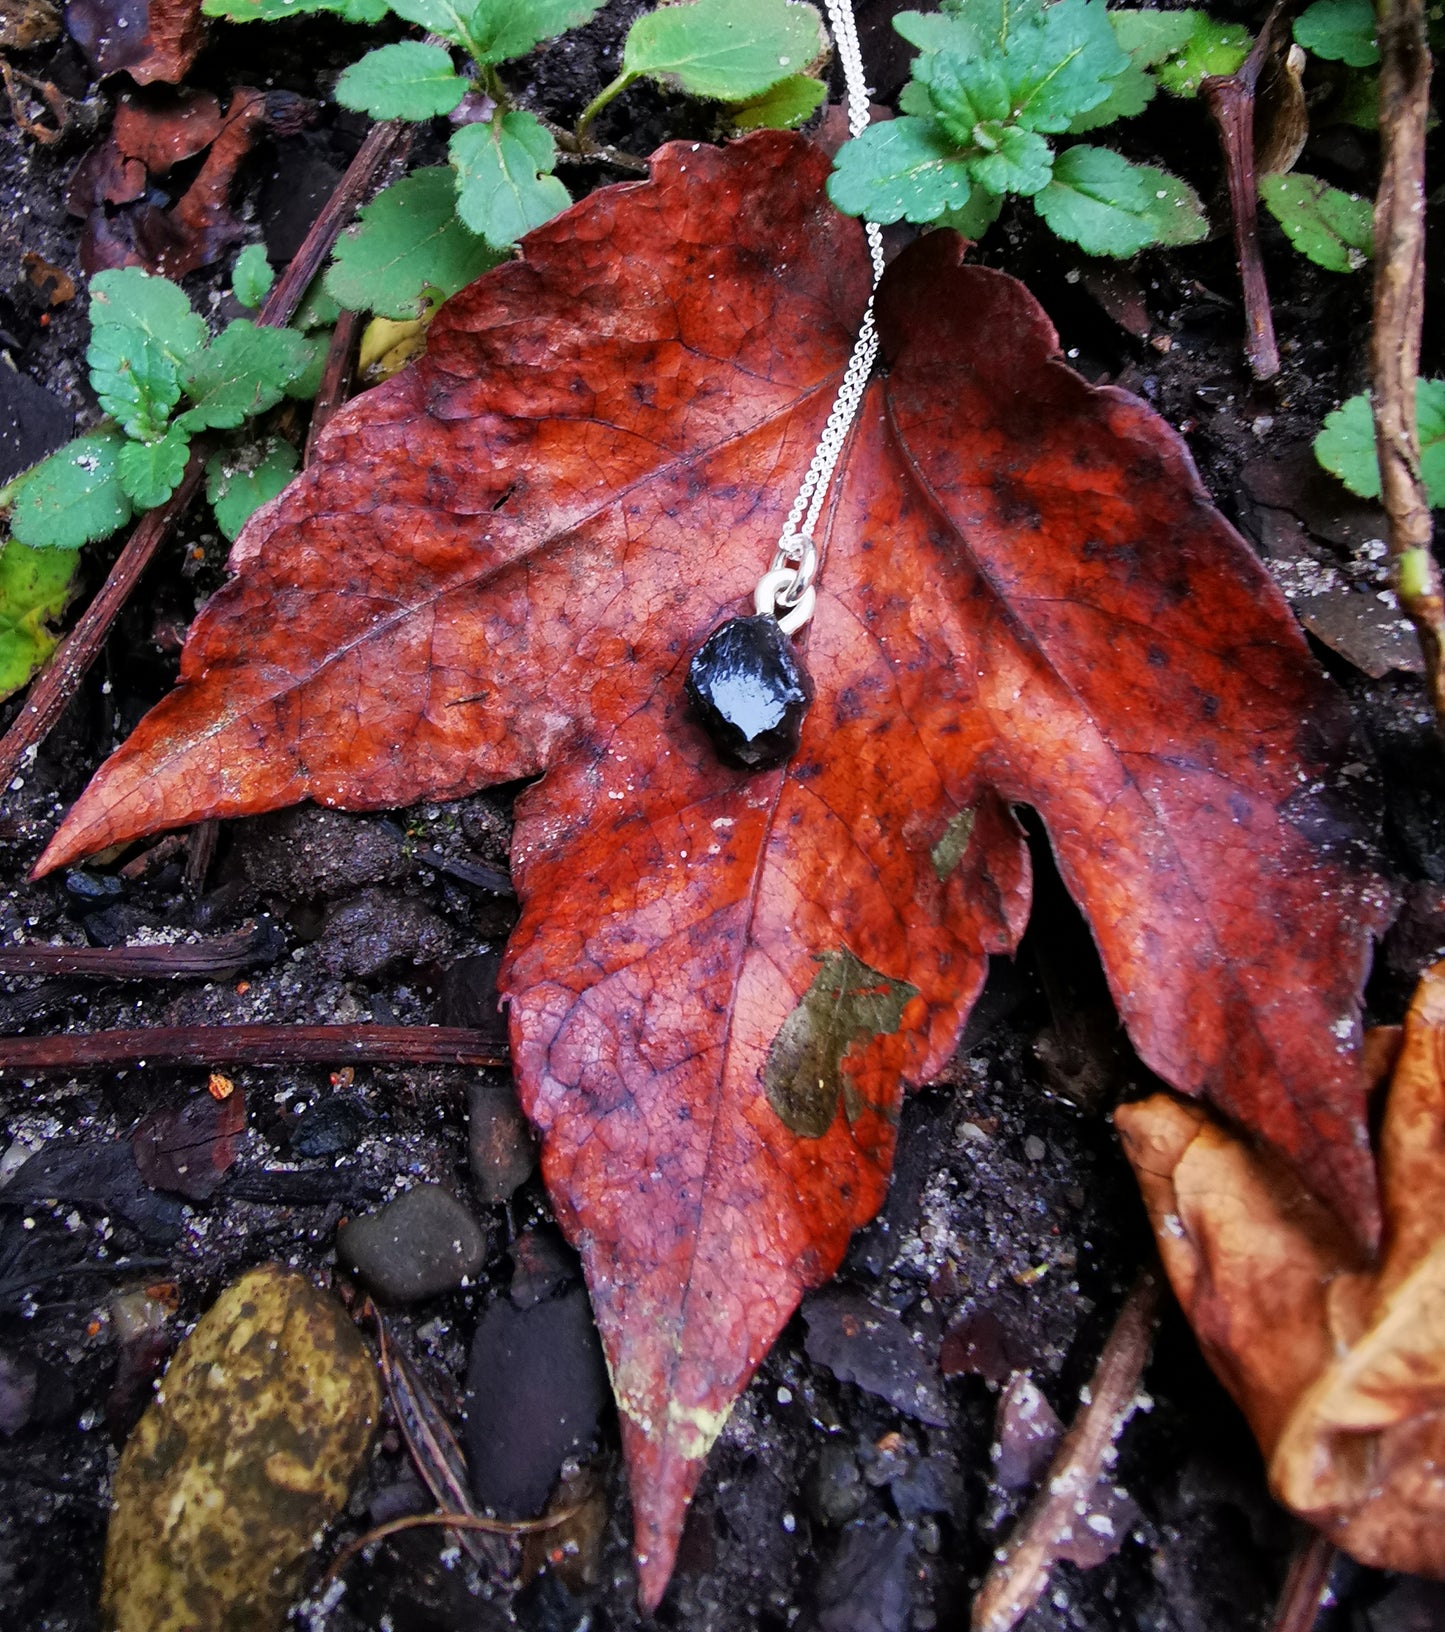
{"points": [[867, 1505]]}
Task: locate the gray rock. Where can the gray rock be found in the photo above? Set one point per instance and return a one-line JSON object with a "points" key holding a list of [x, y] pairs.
{"points": [[423, 1243], [500, 1145]]}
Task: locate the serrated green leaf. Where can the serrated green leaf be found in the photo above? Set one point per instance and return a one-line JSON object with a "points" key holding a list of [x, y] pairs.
{"points": [[976, 217], [1150, 36], [34, 588], [136, 382], [245, 372], [1346, 445], [308, 382], [149, 471], [72, 498], [965, 93], [790, 103], [1109, 206], [1212, 48], [1062, 62], [1339, 30], [728, 49], [238, 483], [318, 310], [975, 27], [502, 29], [1022, 163], [408, 80], [1129, 94], [132, 299], [504, 181], [445, 17], [903, 170], [275, 11], [252, 276], [409, 240], [1336, 230]]}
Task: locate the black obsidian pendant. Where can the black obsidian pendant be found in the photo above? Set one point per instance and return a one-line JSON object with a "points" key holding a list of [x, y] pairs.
{"points": [[750, 692]]}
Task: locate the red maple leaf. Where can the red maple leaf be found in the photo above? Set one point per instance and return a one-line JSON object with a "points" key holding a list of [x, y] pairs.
{"points": [[501, 565]]}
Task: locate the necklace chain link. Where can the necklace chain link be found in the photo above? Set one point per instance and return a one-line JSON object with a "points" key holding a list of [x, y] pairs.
{"points": [[786, 589]]}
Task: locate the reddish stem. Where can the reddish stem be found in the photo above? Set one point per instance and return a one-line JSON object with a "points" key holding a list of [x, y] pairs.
{"points": [[254, 1045]]}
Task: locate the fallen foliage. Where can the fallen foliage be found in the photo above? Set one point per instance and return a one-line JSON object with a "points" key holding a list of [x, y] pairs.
{"points": [[1338, 1360], [112, 188], [500, 564], [150, 39]]}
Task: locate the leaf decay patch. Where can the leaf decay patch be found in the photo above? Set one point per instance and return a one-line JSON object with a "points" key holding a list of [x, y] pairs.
{"points": [[500, 565]]}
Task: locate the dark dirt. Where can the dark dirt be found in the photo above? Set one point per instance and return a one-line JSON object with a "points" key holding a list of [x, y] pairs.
{"points": [[1012, 1229]]}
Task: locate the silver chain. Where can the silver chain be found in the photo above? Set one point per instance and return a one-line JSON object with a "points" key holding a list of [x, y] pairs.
{"points": [[786, 590]]}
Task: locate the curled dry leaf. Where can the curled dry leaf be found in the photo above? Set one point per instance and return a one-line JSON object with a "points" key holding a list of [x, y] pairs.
{"points": [[499, 566], [150, 39], [1337, 1360], [153, 132]]}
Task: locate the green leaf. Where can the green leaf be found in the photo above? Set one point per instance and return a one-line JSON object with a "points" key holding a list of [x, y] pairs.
{"points": [[404, 81], [238, 483], [1340, 30], [409, 241], [502, 29], [445, 17], [149, 471], [974, 27], [1212, 48], [252, 276], [275, 11], [1061, 63], [1129, 94], [1346, 445], [728, 49], [158, 308], [504, 181], [1151, 36], [34, 587], [1359, 100], [1021, 163], [788, 104], [976, 217], [903, 170], [72, 498], [245, 372], [318, 310], [1111, 207], [1336, 230], [308, 382], [136, 382]]}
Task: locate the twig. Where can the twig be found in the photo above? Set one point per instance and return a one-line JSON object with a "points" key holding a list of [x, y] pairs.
{"points": [[1020, 1574], [1395, 339], [200, 853], [72, 658], [335, 378], [452, 1521], [253, 1045], [222, 955], [1305, 1586], [1231, 101]]}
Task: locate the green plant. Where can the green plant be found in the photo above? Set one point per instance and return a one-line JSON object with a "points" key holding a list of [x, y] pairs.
{"points": [[432, 233], [995, 80], [1346, 444]]}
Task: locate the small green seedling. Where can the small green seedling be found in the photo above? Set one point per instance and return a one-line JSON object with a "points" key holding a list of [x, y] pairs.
{"points": [[1346, 445], [995, 85], [437, 230]]}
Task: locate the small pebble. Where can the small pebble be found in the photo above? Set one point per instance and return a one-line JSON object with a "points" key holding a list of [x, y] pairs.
{"points": [[500, 1145], [423, 1243], [1034, 1148]]}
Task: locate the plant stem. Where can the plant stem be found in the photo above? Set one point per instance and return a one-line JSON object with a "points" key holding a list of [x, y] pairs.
{"points": [[607, 94], [254, 1045], [1395, 337], [71, 660]]}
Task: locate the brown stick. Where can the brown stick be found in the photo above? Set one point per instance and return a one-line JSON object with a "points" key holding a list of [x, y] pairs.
{"points": [[335, 379], [1020, 1574], [254, 1045], [72, 659], [1231, 101], [222, 955], [1399, 310], [1304, 1587]]}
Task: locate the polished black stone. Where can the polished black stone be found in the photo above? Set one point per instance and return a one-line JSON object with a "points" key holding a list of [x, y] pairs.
{"points": [[750, 692]]}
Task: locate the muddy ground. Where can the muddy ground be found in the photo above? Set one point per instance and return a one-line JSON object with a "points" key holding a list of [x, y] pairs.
{"points": [[863, 1505]]}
